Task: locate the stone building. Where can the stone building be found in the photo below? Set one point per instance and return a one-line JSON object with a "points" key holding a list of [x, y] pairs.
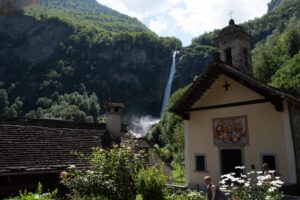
{"points": [[33, 151], [232, 119]]}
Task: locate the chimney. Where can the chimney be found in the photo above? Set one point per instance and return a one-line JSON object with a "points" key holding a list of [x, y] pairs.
{"points": [[113, 120]]}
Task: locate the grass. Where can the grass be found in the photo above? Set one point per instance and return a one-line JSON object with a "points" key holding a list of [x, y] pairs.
{"points": [[178, 173]]}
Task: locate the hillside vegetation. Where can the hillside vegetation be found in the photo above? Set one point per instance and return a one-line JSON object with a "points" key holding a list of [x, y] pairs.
{"points": [[87, 12], [60, 55]]}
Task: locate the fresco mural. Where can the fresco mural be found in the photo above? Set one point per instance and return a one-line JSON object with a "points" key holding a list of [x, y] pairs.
{"points": [[230, 131]]}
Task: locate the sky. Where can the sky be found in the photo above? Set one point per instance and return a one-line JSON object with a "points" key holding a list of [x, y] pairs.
{"points": [[187, 19]]}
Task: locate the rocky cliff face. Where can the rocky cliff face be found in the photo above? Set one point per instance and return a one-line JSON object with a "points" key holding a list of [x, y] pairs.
{"points": [[40, 58], [28, 40], [190, 63]]}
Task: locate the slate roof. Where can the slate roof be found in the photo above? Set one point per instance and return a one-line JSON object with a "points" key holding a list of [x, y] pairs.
{"points": [[211, 73], [35, 146]]}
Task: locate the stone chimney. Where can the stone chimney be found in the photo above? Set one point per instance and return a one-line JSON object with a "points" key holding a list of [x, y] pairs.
{"points": [[113, 120], [234, 45]]}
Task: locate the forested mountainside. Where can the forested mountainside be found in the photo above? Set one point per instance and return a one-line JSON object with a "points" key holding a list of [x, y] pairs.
{"points": [[276, 61], [88, 12], [59, 62], [276, 40]]}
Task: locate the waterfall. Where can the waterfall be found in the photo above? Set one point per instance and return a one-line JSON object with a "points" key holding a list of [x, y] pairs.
{"points": [[169, 85], [140, 126]]}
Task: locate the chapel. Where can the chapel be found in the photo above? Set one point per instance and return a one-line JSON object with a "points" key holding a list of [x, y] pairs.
{"points": [[232, 119]]}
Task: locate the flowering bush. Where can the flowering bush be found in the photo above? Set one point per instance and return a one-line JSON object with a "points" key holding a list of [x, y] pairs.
{"points": [[252, 185], [110, 176]]}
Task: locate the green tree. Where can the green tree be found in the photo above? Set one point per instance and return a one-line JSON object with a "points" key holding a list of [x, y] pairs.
{"points": [[288, 76], [4, 103]]}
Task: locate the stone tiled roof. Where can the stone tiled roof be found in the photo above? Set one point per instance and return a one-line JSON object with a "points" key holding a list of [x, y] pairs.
{"points": [[31, 146]]}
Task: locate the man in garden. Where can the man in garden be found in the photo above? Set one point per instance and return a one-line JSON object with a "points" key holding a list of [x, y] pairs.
{"points": [[212, 192]]}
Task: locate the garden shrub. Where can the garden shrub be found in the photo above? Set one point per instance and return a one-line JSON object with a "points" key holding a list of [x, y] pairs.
{"points": [[37, 195], [151, 183], [111, 174]]}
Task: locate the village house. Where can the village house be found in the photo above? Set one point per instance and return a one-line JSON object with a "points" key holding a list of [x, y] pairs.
{"points": [[37, 150], [231, 119]]}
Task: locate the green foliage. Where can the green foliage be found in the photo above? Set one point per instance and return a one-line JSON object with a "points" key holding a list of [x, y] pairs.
{"points": [[178, 170], [111, 174], [88, 12], [74, 106], [269, 55], [8, 109], [3, 101], [37, 195], [168, 133], [288, 76], [204, 39], [151, 182]]}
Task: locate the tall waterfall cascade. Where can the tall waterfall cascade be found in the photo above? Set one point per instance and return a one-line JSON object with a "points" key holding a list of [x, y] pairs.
{"points": [[169, 85], [141, 125]]}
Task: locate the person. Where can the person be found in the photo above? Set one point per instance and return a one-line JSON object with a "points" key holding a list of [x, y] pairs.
{"points": [[265, 167], [212, 192], [269, 175]]}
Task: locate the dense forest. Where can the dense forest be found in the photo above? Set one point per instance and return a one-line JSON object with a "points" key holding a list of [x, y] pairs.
{"points": [[276, 62], [63, 59]]}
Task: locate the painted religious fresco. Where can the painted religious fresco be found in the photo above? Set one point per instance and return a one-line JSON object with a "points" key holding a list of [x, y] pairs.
{"points": [[230, 131]]}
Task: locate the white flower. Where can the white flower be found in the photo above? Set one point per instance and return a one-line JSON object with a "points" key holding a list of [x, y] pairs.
{"points": [[241, 181], [277, 183], [90, 172], [267, 178], [272, 189], [71, 167], [247, 184], [259, 183], [268, 197]]}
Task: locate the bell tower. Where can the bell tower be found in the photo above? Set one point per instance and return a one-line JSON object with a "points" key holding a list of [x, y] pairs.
{"points": [[234, 45]]}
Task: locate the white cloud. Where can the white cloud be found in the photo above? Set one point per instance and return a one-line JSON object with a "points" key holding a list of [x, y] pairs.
{"points": [[188, 17], [158, 25], [196, 16], [140, 8]]}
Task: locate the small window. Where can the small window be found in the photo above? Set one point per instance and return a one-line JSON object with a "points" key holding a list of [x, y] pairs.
{"points": [[246, 58], [228, 56], [200, 163]]}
